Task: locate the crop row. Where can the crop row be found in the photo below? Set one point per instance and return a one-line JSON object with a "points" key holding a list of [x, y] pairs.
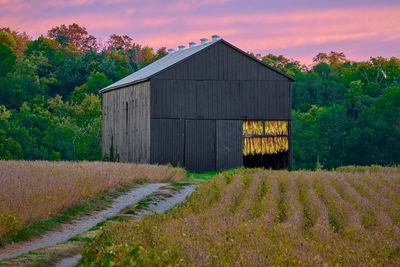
{"points": [[33, 190], [258, 217]]}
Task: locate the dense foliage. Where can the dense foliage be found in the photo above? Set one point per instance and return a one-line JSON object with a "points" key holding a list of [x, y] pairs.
{"points": [[344, 112], [49, 105], [254, 217]]}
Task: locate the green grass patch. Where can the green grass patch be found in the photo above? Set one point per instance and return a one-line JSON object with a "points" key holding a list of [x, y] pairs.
{"points": [[205, 176], [77, 238], [196, 178], [36, 253], [142, 204], [104, 223]]}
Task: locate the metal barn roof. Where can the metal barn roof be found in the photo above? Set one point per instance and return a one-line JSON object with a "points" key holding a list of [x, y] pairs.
{"points": [[157, 66], [171, 59]]}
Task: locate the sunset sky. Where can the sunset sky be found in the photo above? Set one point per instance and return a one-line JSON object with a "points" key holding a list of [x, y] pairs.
{"points": [[297, 29]]}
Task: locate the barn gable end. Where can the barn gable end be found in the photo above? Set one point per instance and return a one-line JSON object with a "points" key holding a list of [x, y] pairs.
{"points": [[220, 82], [221, 61]]}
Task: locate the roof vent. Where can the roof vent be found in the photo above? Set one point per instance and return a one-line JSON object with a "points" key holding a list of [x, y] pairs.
{"points": [[171, 51], [215, 37], [181, 47], [192, 44], [203, 40]]}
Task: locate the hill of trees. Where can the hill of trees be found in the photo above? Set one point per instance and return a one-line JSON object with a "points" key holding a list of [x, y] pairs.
{"points": [[344, 112]]}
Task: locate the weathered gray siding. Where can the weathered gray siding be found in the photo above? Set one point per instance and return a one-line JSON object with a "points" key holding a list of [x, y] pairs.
{"points": [[126, 121]]}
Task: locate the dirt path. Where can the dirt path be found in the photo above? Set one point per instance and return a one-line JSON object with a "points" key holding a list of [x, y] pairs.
{"points": [[166, 202], [83, 225], [63, 248]]}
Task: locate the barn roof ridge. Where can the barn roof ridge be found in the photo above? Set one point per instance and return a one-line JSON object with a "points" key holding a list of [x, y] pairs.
{"points": [[172, 59]]}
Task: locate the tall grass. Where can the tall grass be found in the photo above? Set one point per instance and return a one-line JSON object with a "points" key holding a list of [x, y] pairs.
{"points": [[32, 190], [263, 218]]}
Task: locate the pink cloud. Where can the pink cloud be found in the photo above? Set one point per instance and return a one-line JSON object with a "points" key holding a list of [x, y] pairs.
{"points": [[58, 3], [90, 21], [156, 22], [177, 22], [130, 11], [174, 39], [184, 5], [14, 6], [292, 29]]}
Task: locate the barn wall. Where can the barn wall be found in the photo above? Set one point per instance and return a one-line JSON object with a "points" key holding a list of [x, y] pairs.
{"points": [[220, 62], [126, 123], [207, 99], [228, 149], [200, 145], [167, 141], [220, 83], [290, 131]]}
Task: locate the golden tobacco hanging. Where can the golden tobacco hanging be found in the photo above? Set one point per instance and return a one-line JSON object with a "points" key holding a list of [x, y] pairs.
{"points": [[268, 137]]}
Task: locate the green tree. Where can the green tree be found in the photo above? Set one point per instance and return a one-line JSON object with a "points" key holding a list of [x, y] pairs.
{"points": [[97, 81], [305, 129], [9, 148], [7, 60]]}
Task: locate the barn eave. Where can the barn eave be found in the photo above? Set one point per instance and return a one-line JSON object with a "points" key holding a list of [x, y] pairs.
{"points": [[123, 85]]}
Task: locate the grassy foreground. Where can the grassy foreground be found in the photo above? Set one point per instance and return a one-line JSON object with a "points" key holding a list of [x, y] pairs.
{"points": [[350, 217], [36, 190]]}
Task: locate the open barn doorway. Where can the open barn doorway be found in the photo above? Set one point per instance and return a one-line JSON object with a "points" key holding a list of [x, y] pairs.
{"points": [[265, 144]]}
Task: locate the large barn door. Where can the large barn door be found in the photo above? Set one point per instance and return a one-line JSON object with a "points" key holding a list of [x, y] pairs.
{"points": [[200, 145], [167, 141], [229, 146]]}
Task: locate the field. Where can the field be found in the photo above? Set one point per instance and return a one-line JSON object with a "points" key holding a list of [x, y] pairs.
{"points": [[33, 190], [254, 217]]}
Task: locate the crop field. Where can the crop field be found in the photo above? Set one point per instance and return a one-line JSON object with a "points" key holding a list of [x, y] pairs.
{"points": [[32, 190], [254, 217]]}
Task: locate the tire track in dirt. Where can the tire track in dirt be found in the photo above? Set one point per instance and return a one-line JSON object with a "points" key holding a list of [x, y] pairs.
{"points": [[81, 225], [160, 206]]}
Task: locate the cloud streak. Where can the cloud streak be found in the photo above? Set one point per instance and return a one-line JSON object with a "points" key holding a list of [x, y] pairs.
{"points": [[253, 26]]}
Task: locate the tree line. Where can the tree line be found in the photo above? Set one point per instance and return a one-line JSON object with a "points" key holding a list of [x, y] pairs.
{"points": [[344, 112]]}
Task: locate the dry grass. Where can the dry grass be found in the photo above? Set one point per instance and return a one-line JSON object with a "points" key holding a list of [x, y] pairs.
{"points": [[261, 218], [35, 190]]}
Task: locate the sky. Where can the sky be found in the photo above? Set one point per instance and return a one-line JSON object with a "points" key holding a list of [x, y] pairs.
{"points": [[297, 29]]}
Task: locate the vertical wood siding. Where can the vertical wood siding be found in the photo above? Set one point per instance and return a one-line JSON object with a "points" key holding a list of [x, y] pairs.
{"points": [[252, 100], [167, 141], [126, 121], [290, 131], [200, 145], [220, 83], [228, 149]]}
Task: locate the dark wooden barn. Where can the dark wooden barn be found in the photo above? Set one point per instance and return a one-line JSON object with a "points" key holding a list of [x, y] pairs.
{"points": [[189, 109]]}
